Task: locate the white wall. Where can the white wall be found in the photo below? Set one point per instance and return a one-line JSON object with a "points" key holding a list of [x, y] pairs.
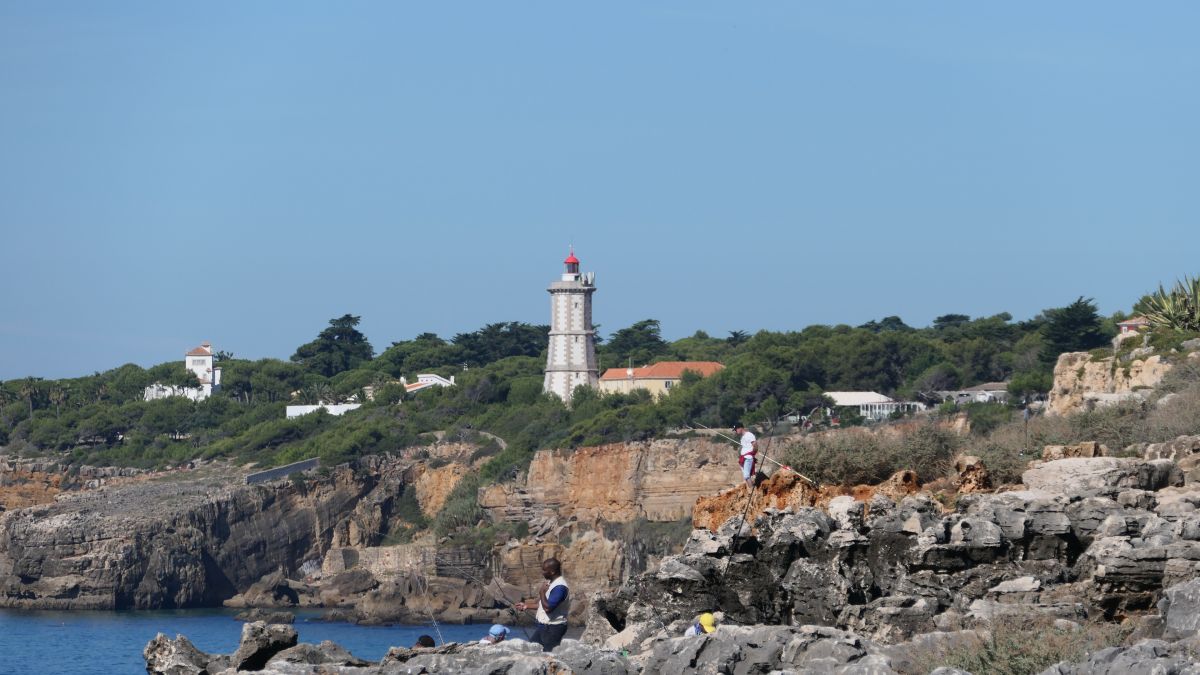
{"points": [[331, 408]]}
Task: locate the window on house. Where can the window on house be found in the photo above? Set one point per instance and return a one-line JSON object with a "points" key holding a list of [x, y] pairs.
{"points": [[669, 383], [197, 362]]}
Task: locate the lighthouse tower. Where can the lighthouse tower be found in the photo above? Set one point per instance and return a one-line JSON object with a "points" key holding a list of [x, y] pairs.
{"points": [[572, 357]]}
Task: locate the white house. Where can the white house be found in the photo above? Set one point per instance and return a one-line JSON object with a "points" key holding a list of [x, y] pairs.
{"points": [[872, 406], [988, 392], [200, 362], [425, 381], [334, 409]]}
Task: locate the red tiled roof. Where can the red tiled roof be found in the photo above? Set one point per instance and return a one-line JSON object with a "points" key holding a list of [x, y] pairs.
{"points": [[666, 370], [200, 351], [1135, 321]]}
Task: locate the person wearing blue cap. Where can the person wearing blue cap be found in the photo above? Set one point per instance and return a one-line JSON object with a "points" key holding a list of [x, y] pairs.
{"points": [[498, 633]]}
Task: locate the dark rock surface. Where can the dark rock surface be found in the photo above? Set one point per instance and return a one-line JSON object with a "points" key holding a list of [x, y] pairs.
{"points": [[260, 642], [1149, 657], [167, 544], [266, 615], [1105, 542], [175, 657]]}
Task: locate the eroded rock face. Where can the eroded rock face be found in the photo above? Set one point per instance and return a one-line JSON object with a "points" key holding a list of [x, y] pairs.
{"points": [[789, 490], [1102, 473], [658, 481], [1148, 657], [174, 657], [1082, 384], [166, 544], [260, 642], [1105, 542], [1087, 449], [433, 486], [414, 598], [973, 475]]}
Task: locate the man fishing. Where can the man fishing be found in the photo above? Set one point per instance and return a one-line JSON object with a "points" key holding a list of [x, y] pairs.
{"points": [[554, 602], [747, 452]]}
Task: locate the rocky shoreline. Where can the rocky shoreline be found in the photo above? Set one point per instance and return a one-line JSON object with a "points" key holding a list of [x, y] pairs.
{"points": [[881, 586]]}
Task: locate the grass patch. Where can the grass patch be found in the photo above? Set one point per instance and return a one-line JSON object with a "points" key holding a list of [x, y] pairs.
{"points": [[1021, 646]]}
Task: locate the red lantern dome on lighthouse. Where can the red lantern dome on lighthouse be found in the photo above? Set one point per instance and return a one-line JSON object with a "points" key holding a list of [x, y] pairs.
{"points": [[572, 263]]}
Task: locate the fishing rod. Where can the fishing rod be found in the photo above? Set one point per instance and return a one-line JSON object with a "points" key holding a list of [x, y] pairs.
{"points": [[511, 605], [429, 607], [739, 443]]}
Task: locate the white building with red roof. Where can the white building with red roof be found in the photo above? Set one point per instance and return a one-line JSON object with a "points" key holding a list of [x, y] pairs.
{"points": [[200, 361], [658, 378]]}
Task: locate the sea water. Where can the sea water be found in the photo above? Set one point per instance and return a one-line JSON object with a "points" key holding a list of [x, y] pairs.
{"points": [[79, 642]]}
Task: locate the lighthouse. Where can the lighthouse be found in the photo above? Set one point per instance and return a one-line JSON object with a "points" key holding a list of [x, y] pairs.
{"points": [[571, 360]]}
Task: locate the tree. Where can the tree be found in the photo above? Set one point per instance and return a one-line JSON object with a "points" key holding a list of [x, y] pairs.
{"points": [[1074, 328], [737, 337], [885, 324], [337, 348], [641, 342], [496, 341], [950, 321], [29, 389], [57, 396]]}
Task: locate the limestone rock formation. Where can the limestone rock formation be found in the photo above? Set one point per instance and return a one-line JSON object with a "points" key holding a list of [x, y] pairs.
{"points": [[164, 544], [1184, 450], [658, 481], [1082, 383], [973, 475], [1086, 449], [175, 657], [260, 642], [433, 486], [1088, 537], [788, 490]]}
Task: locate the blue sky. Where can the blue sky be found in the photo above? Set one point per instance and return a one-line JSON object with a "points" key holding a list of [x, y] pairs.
{"points": [[243, 172]]}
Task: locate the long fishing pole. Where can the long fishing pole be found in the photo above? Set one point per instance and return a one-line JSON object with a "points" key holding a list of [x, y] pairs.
{"points": [[738, 443], [511, 605], [429, 607]]}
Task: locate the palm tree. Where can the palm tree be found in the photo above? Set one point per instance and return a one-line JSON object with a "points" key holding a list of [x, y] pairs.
{"points": [[28, 389], [57, 396]]}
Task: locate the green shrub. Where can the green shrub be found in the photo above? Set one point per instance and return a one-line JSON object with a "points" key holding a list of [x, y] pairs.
{"points": [[461, 509], [985, 417], [851, 458], [1163, 340]]}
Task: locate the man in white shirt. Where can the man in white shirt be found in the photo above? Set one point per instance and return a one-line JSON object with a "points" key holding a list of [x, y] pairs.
{"points": [[746, 453], [553, 605]]}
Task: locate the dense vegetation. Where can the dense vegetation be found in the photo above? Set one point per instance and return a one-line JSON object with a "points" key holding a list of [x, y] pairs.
{"points": [[103, 419]]}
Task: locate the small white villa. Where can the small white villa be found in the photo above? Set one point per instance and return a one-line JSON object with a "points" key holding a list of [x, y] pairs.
{"points": [[872, 406], [425, 381], [200, 362]]}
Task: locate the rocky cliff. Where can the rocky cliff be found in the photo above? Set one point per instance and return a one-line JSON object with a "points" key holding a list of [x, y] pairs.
{"points": [[1083, 381], [168, 542], [657, 481], [1087, 537]]}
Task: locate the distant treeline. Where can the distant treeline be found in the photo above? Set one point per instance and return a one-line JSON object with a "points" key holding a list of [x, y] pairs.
{"points": [[103, 419]]}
